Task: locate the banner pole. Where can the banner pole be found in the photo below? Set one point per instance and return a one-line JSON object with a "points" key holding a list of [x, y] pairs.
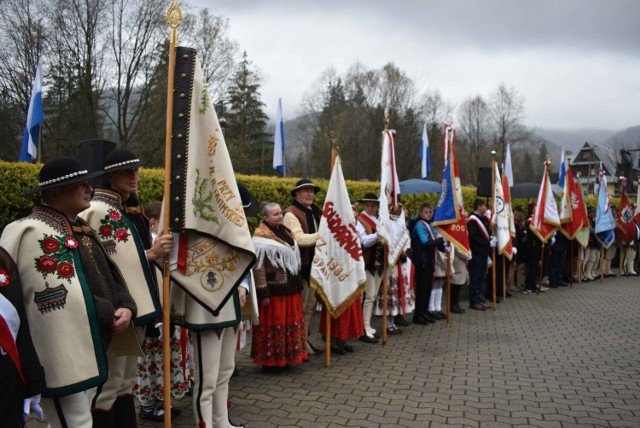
{"points": [[493, 227], [174, 17], [540, 276], [449, 289], [327, 341], [571, 264]]}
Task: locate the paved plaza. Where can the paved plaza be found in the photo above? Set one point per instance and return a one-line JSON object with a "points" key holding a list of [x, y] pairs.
{"points": [[566, 358]]}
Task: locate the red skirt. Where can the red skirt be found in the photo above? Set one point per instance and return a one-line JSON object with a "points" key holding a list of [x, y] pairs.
{"points": [[348, 325], [279, 339]]}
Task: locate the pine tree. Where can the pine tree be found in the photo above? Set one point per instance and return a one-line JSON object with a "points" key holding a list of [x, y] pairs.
{"points": [[245, 134]]}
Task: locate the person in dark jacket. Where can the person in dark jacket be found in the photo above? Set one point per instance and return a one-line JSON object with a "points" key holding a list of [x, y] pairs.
{"points": [[480, 241], [423, 249]]}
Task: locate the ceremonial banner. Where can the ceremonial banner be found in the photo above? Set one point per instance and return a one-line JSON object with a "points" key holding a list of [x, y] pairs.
{"points": [[501, 217], [388, 229], [425, 155], [508, 170], [545, 217], [573, 208], [337, 272], [279, 163], [605, 223], [35, 116], [450, 218], [562, 172], [626, 228], [507, 202], [215, 251]]}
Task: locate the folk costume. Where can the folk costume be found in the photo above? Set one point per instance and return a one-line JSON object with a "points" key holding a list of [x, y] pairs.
{"points": [[20, 368], [373, 254], [303, 223], [124, 232], [401, 297], [280, 337], [70, 283]]}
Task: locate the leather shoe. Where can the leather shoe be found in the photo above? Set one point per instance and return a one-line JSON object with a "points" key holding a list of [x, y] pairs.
{"points": [[421, 321], [401, 321], [338, 350], [456, 309], [394, 330], [478, 307], [314, 350], [367, 339]]}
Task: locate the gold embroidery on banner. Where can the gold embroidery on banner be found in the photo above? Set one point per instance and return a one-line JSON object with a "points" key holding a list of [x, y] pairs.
{"points": [[223, 194], [205, 259]]}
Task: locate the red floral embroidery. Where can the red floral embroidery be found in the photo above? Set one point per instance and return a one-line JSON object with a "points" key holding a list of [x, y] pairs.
{"points": [[4, 278], [50, 245], [122, 234], [65, 270], [71, 242], [105, 230], [115, 215], [46, 264]]}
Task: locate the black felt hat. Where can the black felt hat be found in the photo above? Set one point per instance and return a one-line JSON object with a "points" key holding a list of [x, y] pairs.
{"points": [[121, 159], [301, 184], [60, 172], [369, 197], [249, 202]]}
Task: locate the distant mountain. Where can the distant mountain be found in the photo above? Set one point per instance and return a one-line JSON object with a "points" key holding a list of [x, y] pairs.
{"points": [[628, 139], [574, 139]]}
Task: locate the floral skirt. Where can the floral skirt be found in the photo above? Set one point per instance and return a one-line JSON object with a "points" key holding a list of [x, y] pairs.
{"points": [[279, 339], [149, 383], [348, 325], [401, 294]]}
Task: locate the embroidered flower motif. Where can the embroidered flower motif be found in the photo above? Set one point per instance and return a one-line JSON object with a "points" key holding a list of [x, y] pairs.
{"points": [[122, 234], [105, 230], [46, 264], [115, 215], [114, 228], [71, 242], [58, 256], [4, 278], [65, 270], [50, 245]]}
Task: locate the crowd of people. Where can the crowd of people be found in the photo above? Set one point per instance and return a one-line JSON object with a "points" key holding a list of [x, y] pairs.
{"points": [[82, 263]]}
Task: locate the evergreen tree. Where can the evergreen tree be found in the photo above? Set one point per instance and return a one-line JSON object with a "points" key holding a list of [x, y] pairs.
{"points": [[248, 143]]}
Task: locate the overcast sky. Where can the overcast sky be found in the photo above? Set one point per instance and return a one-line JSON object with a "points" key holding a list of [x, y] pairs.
{"points": [[576, 62]]}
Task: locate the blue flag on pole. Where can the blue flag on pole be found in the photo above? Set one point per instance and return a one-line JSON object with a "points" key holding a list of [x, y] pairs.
{"points": [[425, 155], [35, 116], [605, 223], [562, 173], [279, 163], [446, 211]]}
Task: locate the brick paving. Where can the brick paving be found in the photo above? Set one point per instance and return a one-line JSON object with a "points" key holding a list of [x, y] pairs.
{"points": [[566, 358]]}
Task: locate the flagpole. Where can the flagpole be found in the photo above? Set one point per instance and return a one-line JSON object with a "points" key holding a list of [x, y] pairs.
{"points": [[385, 272], [601, 263], [327, 342], [39, 145], [493, 225], [571, 264], [449, 288], [174, 17]]}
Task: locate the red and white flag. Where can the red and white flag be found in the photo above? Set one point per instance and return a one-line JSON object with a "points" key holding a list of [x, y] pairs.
{"points": [[337, 272], [626, 228], [545, 217], [573, 213]]}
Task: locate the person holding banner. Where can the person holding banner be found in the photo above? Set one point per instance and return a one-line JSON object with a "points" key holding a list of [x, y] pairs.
{"points": [[481, 242], [280, 337], [373, 254], [302, 218]]}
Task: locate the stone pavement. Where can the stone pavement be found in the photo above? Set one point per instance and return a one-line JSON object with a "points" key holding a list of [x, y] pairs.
{"points": [[566, 358]]}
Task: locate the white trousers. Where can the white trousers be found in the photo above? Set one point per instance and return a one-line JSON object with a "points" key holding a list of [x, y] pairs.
{"points": [[70, 411], [609, 254], [629, 259], [371, 293], [591, 258], [122, 374], [214, 358]]}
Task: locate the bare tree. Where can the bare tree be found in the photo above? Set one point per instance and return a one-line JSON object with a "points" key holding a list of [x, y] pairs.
{"points": [[474, 120], [436, 110], [137, 29], [507, 111]]}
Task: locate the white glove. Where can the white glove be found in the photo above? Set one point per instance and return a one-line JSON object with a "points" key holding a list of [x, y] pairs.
{"points": [[33, 403], [514, 251], [159, 327], [493, 242], [449, 249]]}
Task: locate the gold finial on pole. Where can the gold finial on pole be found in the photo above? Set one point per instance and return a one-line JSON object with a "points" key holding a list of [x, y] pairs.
{"points": [[386, 119], [174, 18]]}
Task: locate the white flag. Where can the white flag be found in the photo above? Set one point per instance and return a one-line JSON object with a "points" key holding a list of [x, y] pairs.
{"points": [[501, 217], [337, 272]]}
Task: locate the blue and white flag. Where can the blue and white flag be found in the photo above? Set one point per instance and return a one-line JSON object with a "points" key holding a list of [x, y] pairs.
{"points": [[605, 223], [279, 163], [563, 169], [508, 170], [425, 155], [35, 116]]}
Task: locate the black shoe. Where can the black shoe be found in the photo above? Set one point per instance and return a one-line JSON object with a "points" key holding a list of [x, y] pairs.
{"points": [[401, 321], [562, 284], [151, 413], [421, 321], [367, 339], [315, 351], [508, 294], [337, 349], [348, 348], [553, 285], [456, 309]]}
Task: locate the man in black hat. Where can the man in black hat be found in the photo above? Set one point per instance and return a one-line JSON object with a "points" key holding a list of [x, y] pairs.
{"points": [[373, 255], [302, 218], [117, 215], [76, 301]]}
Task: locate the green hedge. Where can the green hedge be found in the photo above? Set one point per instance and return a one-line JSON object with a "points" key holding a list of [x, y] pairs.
{"points": [[15, 178]]}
